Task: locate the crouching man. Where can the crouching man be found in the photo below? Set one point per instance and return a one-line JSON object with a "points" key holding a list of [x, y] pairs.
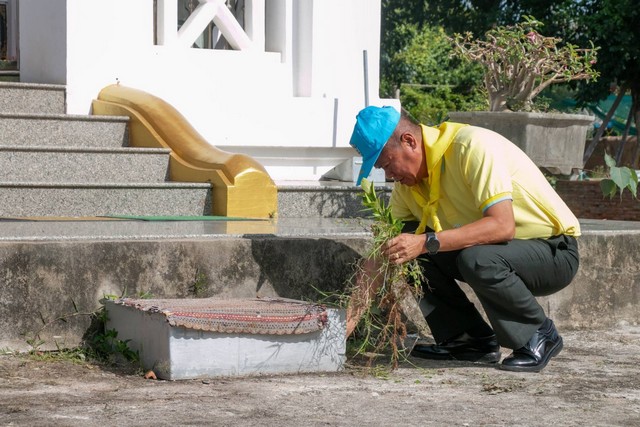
{"points": [[483, 214]]}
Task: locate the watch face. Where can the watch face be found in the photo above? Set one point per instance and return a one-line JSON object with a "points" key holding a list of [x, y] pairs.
{"points": [[433, 244]]}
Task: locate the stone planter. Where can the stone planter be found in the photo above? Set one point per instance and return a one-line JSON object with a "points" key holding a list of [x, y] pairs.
{"points": [[552, 140]]}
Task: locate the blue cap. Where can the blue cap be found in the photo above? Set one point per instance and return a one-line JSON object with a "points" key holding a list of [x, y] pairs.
{"points": [[374, 127]]}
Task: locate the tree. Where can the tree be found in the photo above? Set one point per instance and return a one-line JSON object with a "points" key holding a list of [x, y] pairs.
{"points": [[519, 63], [418, 67], [400, 23], [611, 24], [615, 25], [459, 16], [559, 16]]}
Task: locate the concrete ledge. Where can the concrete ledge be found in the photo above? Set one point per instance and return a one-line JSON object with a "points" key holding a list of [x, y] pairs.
{"points": [[45, 277], [47, 280], [606, 290]]}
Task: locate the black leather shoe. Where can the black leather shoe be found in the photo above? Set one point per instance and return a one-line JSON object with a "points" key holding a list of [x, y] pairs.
{"points": [[462, 347], [535, 355]]}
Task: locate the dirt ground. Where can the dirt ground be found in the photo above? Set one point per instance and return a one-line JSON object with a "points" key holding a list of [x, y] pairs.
{"points": [[595, 381]]}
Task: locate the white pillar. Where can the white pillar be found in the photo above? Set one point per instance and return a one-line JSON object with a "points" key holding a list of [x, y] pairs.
{"points": [[254, 22], [167, 22]]}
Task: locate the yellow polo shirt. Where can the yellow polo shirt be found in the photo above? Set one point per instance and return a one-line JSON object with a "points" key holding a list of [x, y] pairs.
{"points": [[479, 168]]}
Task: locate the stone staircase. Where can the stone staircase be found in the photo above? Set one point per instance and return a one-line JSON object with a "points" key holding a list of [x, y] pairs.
{"points": [[53, 164]]}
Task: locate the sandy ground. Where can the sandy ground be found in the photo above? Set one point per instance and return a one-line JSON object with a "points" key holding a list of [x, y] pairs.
{"points": [[595, 381]]}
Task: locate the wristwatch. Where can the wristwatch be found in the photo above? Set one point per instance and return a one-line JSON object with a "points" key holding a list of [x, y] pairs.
{"points": [[432, 244]]}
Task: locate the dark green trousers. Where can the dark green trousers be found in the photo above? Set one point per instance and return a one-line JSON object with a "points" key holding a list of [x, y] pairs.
{"points": [[506, 279]]}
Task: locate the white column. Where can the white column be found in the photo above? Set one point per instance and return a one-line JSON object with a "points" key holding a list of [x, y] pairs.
{"points": [[254, 22], [279, 28], [167, 24], [302, 57]]}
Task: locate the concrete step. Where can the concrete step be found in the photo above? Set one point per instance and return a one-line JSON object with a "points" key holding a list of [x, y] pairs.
{"points": [[32, 98], [35, 199], [53, 269], [63, 130], [324, 199], [83, 165]]}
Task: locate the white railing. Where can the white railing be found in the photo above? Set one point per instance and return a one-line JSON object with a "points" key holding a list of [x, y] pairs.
{"points": [[251, 37]]}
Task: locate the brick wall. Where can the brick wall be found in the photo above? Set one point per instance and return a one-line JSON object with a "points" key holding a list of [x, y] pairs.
{"points": [[585, 199]]}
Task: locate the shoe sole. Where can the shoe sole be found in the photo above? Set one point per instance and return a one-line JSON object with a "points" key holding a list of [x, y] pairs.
{"points": [[539, 367], [493, 357]]}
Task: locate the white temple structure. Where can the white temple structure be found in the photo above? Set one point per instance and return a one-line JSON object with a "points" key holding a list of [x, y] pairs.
{"points": [[280, 80]]}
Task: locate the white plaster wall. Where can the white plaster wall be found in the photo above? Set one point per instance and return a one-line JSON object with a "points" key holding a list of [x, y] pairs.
{"points": [[106, 40], [343, 60], [329, 40]]}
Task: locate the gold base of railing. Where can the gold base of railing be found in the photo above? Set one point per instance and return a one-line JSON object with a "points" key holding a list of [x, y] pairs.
{"points": [[241, 187]]}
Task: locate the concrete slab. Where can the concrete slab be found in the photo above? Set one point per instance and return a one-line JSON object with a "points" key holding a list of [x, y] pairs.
{"points": [[609, 227], [72, 229], [179, 352]]}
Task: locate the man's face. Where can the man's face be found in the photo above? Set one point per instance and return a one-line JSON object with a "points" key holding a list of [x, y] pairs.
{"points": [[401, 161]]}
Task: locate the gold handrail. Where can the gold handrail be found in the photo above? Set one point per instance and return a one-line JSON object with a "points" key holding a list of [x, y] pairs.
{"points": [[241, 187]]}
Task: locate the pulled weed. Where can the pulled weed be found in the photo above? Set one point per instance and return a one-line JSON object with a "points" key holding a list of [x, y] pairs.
{"points": [[380, 291]]}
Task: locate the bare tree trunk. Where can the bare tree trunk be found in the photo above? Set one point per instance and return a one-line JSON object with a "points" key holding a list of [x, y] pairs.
{"points": [[594, 142], [625, 135], [635, 107]]}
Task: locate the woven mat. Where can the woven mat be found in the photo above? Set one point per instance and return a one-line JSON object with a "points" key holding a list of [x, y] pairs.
{"points": [[269, 316]]}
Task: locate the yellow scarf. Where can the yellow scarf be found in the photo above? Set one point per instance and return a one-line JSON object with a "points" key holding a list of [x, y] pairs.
{"points": [[436, 142]]}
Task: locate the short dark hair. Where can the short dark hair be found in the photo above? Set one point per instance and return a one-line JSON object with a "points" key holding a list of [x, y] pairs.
{"points": [[404, 114]]}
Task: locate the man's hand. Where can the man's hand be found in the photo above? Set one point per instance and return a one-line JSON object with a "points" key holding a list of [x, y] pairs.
{"points": [[404, 248], [496, 226]]}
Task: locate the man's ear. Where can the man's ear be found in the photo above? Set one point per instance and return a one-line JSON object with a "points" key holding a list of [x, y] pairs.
{"points": [[409, 139]]}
